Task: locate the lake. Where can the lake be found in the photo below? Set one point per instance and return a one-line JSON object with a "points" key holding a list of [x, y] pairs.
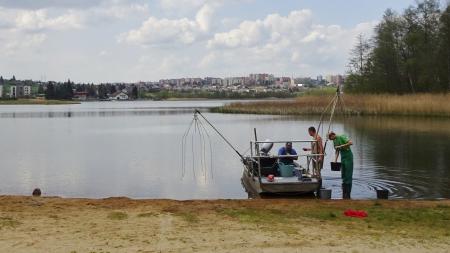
{"points": [[134, 149]]}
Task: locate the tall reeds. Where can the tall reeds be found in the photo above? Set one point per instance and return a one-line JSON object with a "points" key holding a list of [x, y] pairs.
{"points": [[433, 105]]}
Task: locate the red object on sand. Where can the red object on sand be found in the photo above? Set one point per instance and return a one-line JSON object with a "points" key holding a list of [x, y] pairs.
{"points": [[355, 213]]}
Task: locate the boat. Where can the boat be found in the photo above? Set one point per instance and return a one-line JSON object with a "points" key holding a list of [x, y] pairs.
{"points": [[263, 172]]}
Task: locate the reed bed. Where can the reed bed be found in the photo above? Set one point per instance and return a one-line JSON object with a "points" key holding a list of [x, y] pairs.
{"points": [[429, 105]]}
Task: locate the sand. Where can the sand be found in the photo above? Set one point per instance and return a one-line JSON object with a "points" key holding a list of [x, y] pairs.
{"points": [[37, 224]]}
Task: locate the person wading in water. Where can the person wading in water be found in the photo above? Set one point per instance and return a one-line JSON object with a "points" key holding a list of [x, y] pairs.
{"points": [[342, 145]]}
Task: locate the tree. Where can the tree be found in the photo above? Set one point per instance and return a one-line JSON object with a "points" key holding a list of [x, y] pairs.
{"points": [[134, 92], [112, 89], [359, 64], [91, 91], [444, 50], [50, 91], [40, 89], [408, 53], [385, 74], [102, 92]]}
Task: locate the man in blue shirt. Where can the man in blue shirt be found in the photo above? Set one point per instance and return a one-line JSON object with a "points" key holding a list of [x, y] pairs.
{"points": [[287, 150]]}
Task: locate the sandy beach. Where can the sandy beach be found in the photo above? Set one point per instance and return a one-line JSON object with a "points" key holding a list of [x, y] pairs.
{"points": [[38, 224]]}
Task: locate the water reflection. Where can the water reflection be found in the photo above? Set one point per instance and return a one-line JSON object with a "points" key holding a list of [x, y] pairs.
{"points": [[409, 156]]}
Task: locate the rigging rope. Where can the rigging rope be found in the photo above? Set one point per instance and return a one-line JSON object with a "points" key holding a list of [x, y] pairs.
{"points": [[337, 99]]}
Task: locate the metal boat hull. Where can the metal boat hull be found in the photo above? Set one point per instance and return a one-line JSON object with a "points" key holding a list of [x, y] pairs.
{"points": [[290, 185]]}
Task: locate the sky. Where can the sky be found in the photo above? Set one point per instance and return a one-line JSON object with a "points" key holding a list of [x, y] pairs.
{"points": [[147, 40]]}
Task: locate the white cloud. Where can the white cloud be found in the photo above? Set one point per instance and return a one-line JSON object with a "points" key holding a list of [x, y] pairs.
{"points": [[18, 42], [39, 20], [273, 28], [286, 44], [116, 9], [156, 31], [22, 28], [187, 5]]}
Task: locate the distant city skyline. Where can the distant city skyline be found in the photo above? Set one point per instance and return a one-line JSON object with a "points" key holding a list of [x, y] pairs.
{"points": [[129, 41]]}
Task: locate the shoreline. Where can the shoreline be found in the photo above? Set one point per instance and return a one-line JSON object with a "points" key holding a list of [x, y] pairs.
{"points": [[53, 224], [36, 102]]}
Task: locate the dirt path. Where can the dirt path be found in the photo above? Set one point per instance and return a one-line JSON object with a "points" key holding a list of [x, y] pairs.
{"points": [[122, 225]]}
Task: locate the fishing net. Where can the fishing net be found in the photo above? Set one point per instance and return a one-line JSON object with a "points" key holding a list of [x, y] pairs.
{"points": [[196, 150]]}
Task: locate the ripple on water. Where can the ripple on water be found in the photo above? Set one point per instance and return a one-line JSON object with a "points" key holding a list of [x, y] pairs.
{"points": [[368, 181]]}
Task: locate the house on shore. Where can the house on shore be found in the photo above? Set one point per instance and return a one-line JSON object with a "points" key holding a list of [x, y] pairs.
{"points": [[119, 95], [80, 95], [19, 91]]}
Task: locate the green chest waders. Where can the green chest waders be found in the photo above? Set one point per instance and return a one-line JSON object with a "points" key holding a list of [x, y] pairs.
{"points": [[346, 172]]}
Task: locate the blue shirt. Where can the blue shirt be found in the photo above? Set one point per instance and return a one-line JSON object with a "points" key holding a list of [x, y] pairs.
{"points": [[283, 151]]}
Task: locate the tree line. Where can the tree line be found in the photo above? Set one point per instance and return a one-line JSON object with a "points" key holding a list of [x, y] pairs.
{"points": [[65, 91], [408, 53]]}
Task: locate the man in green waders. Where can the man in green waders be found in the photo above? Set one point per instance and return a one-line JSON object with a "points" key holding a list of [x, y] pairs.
{"points": [[342, 145]]}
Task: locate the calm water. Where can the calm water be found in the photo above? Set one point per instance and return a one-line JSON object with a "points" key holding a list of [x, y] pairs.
{"points": [[134, 149]]}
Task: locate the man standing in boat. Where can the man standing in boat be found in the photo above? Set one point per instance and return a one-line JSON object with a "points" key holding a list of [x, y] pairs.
{"points": [[316, 148], [342, 145]]}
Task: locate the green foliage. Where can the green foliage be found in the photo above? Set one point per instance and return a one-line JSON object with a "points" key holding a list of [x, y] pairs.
{"points": [[409, 53], [59, 91]]}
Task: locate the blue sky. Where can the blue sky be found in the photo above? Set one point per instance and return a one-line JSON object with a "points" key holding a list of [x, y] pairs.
{"points": [[125, 40]]}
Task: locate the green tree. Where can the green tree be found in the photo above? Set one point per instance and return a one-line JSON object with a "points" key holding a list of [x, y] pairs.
{"points": [[444, 50], [102, 92], [134, 93], [408, 53], [50, 91], [40, 89]]}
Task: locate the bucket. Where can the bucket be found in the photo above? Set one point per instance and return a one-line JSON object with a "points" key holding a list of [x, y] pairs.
{"points": [[382, 194], [335, 166], [325, 193], [286, 170]]}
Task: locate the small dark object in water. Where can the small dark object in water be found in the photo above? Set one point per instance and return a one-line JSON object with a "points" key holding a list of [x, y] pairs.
{"points": [[37, 192], [382, 194], [335, 166]]}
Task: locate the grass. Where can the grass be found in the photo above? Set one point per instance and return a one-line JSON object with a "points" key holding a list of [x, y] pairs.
{"points": [[117, 216], [433, 105], [35, 102], [429, 221]]}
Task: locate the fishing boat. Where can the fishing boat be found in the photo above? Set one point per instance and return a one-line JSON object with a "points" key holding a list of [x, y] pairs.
{"points": [[265, 174]]}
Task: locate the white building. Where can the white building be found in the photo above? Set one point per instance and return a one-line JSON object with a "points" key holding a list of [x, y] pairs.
{"points": [[1, 91], [120, 95], [27, 90]]}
